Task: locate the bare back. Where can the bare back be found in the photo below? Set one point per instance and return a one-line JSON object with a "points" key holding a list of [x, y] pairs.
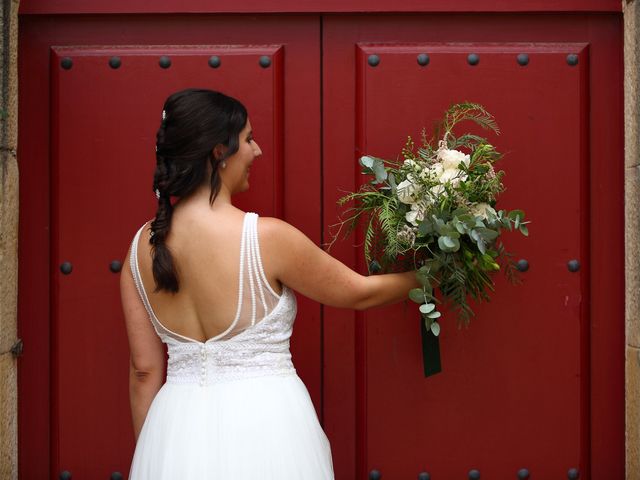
{"points": [[216, 287]]}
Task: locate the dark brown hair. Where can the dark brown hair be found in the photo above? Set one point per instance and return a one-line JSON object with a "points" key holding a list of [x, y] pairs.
{"points": [[194, 121]]}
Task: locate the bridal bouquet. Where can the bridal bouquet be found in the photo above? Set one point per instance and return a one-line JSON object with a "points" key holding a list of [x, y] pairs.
{"points": [[434, 210]]}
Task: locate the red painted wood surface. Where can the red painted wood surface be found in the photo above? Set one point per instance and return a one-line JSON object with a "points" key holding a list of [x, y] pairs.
{"points": [[87, 166], [358, 368], [529, 384], [103, 158], [518, 368], [314, 6]]}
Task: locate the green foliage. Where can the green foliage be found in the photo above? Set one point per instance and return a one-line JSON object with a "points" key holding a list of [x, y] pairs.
{"points": [[433, 211]]}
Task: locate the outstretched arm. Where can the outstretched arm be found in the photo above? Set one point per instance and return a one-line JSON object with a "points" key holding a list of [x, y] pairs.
{"points": [[147, 365], [305, 267]]}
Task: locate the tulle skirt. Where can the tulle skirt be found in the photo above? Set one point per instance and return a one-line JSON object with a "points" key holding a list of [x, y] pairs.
{"points": [[263, 427]]}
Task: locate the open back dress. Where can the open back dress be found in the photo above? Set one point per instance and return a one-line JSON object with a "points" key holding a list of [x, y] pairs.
{"points": [[233, 407]]}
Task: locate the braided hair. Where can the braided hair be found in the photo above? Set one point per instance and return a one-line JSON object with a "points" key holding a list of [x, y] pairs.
{"points": [[194, 121]]}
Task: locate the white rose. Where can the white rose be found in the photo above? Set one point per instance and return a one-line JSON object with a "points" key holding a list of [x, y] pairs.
{"points": [[406, 190], [416, 213], [452, 175], [437, 190], [453, 158], [436, 170], [482, 209], [412, 217]]}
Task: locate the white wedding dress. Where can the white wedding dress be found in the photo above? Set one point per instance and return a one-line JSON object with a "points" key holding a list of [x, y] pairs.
{"points": [[233, 407]]}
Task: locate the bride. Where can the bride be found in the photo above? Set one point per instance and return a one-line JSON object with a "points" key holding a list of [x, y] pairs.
{"points": [[215, 285]]}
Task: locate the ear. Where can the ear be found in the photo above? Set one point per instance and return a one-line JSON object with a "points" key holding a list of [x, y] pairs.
{"points": [[218, 151]]}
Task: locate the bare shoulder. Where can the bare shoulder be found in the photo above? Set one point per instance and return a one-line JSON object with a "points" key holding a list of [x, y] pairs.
{"points": [[284, 246], [272, 228], [280, 235]]}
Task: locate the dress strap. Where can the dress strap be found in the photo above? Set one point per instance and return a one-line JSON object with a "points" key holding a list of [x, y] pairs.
{"points": [[260, 289], [243, 246], [135, 270]]}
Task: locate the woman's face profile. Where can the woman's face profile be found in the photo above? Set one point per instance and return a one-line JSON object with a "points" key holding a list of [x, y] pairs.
{"points": [[236, 173]]}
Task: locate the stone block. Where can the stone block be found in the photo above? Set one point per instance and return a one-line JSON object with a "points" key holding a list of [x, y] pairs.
{"points": [[8, 417], [632, 255], [631, 82], [8, 251], [11, 102], [632, 430]]}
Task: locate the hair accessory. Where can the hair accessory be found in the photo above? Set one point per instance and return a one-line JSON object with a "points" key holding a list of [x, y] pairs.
{"points": [[164, 115], [157, 193]]}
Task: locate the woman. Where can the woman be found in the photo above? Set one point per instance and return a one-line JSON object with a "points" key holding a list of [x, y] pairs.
{"points": [[217, 285]]}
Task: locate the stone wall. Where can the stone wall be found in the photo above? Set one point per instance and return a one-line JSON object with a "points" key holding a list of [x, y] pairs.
{"points": [[632, 232], [8, 239]]}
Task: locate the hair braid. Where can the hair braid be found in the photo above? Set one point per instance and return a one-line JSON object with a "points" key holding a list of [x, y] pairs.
{"points": [[164, 271]]}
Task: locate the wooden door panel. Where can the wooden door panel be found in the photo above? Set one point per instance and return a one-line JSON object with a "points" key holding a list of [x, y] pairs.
{"points": [[94, 149], [103, 160], [518, 368], [518, 385]]}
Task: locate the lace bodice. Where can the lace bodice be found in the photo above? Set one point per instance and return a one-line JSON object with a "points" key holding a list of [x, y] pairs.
{"points": [[256, 343]]}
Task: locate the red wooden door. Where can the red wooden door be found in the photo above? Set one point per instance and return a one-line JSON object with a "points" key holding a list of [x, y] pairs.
{"points": [[536, 382], [105, 109]]}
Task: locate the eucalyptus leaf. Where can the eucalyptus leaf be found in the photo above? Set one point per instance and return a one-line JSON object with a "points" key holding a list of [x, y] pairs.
{"points": [[442, 228], [392, 182], [487, 234], [466, 218], [425, 269], [434, 315], [448, 242], [481, 246], [427, 308], [379, 170], [434, 265], [417, 295], [367, 161], [427, 323], [513, 214], [425, 228], [459, 212], [460, 226], [423, 276], [435, 328], [524, 230], [439, 223]]}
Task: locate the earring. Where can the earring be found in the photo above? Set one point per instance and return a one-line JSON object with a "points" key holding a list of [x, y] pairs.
{"points": [[224, 164]]}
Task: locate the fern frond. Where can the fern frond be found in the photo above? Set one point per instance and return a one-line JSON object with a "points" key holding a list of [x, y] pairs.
{"points": [[369, 237], [470, 111]]}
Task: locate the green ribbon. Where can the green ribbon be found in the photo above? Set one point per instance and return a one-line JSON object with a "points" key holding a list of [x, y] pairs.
{"points": [[430, 351]]}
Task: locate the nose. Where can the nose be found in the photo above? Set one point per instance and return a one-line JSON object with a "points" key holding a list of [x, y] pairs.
{"points": [[256, 151]]}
